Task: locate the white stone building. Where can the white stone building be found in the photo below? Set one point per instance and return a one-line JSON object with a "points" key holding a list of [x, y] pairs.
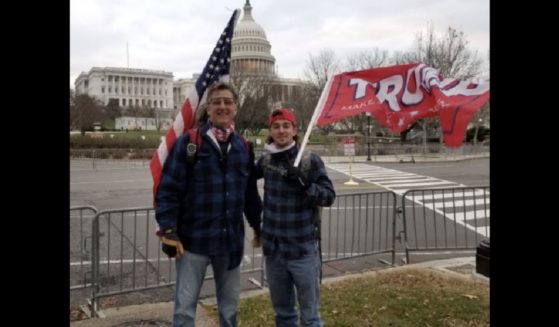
{"points": [[129, 87], [251, 54], [142, 123]]}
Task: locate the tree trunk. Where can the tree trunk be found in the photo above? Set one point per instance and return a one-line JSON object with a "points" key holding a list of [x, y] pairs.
{"points": [[424, 138], [475, 135]]}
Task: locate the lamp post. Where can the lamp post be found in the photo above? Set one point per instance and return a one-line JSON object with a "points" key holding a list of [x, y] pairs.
{"points": [[368, 135]]}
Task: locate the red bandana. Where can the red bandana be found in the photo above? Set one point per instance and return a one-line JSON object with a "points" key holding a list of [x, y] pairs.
{"points": [[222, 134]]}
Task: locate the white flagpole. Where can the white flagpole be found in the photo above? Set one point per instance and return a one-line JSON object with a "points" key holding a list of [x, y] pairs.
{"points": [[314, 118]]}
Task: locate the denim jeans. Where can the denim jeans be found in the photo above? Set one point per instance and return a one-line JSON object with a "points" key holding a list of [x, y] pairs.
{"points": [[295, 278], [191, 269]]}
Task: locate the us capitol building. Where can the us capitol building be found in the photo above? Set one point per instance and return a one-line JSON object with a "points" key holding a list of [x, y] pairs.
{"points": [[250, 56]]}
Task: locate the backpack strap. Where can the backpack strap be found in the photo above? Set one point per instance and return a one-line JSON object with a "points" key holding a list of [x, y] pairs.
{"points": [[194, 143]]}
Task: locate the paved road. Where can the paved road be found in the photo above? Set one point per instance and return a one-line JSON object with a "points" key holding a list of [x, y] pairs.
{"points": [[349, 227], [127, 184]]}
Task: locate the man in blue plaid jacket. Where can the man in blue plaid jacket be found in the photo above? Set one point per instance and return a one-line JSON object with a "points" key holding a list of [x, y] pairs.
{"points": [[205, 189], [288, 234]]}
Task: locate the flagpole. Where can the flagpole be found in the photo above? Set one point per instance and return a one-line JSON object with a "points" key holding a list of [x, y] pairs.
{"points": [[313, 120]]}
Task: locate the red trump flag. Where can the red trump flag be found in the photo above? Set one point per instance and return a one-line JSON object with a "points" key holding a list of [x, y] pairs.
{"points": [[399, 95], [216, 69]]}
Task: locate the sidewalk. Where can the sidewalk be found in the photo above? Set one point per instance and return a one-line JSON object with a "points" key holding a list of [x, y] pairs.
{"points": [[160, 314], [407, 158], [151, 314]]}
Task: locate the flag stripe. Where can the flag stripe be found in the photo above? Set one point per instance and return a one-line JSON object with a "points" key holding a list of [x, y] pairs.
{"points": [[216, 69]]}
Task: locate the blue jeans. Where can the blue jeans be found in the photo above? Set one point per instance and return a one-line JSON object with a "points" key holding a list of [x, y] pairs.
{"points": [[191, 269], [290, 278]]}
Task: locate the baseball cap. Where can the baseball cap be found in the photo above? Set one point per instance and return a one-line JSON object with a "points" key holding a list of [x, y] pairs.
{"points": [[281, 114]]}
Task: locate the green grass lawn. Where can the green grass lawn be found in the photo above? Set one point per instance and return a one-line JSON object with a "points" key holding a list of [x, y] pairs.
{"points": [[406, 297]]}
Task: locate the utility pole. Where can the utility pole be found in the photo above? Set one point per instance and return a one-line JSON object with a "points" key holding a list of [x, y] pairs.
{"points": [[368, 135]]}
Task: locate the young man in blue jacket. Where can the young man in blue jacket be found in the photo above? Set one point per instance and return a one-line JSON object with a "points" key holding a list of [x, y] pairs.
{"points": [[206, 186], [289, 240]]}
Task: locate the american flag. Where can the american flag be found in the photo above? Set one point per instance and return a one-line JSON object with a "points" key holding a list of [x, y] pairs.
{"points": [[216, 69]]}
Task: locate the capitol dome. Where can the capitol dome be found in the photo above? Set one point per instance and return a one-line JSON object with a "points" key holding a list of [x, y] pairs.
{"points": [[251, 49]]}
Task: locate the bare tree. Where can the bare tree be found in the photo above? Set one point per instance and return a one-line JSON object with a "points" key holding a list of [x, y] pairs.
{"points": [[257, 95], [480, 118], [303, 105], [73, 111], [318, 69], [84, 111], [112, 109], [367, 59], [447, 52]]}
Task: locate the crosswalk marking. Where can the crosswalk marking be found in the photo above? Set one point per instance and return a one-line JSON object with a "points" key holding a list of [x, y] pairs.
{"points": [[396, 179], [400, 182]]}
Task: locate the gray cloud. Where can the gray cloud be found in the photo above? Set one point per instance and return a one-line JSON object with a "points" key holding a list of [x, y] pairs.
{"points": [[177, 35]]}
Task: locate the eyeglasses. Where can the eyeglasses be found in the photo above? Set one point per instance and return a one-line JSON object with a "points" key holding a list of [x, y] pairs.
{"points": [[217, 101]]}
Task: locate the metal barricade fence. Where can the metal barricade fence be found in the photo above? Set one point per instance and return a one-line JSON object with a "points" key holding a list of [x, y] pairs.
{"points": [[445, 219], [110, 158], [81, 219], [128, 257], [359, 224], [125, 255]]}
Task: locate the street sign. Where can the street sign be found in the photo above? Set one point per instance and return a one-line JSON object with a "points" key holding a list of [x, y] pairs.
{"points": [[349, 146]]}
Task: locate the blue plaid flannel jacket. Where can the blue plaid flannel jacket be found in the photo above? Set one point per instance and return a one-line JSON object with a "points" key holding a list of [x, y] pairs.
{"points": [[206, 208], [288, 211]]}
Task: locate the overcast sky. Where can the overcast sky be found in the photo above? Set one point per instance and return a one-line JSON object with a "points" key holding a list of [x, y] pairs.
{"points": [[177, 36]]}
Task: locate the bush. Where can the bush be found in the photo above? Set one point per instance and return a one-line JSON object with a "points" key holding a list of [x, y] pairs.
{"points": [[119, 141]]}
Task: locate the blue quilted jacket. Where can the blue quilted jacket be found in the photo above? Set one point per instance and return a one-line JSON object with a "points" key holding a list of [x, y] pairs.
{"points": [[206, 205]]}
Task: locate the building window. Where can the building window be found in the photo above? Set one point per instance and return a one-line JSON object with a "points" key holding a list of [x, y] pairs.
{"points": [[110, 89], [102, 89], [110, 78]]}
